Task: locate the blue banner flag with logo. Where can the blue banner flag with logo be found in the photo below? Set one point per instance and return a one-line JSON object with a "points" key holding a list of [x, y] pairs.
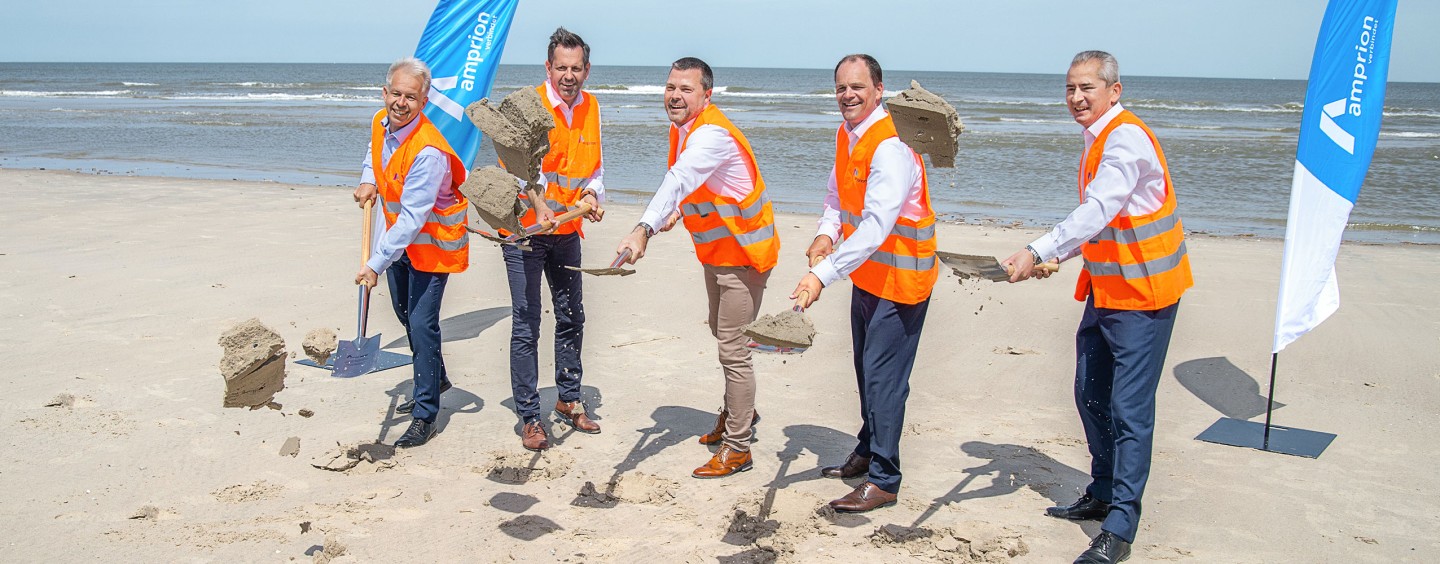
{"points": [[462, 44], [1344, 102]]}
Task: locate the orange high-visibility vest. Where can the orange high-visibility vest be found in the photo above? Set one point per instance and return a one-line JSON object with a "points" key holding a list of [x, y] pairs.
{"points": [[1137, 262], [903, 268], [573, 158], [442, 244], [727, 232]]}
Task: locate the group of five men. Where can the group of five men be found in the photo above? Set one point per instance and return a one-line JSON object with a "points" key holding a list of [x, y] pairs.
{"points": [[877, 229]]}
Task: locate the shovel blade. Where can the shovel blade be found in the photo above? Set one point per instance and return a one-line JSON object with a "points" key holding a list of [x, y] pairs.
{"points": [[357, 358], [978, 266], [617, 271]]}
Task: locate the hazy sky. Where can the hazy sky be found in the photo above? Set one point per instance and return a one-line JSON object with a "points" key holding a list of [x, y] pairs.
{"points": [[1208, 38]]}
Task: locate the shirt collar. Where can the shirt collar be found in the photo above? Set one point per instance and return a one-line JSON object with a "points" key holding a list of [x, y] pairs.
{"points": [[1095, 128], [865, 124], [402, 133]]}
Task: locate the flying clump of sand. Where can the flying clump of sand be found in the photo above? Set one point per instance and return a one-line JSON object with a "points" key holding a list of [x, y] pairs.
{"points": [[927, 123], [253, 364], [319, 344], [520, 130]]}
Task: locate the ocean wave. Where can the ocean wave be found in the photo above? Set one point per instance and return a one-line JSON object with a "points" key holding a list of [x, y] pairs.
{"points": [[65, 94], [1285, 108], [1393, 227], [1409, 134], [255, 84], [1024, 120], [982, 102], [272, 96], [1410, 112], [365, 88], [138, 84]]}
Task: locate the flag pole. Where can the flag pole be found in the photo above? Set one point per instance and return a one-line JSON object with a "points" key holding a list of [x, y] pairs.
{"points": [[1270, 400]]}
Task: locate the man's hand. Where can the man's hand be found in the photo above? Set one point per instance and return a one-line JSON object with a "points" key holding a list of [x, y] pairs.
{"points": [[365, 192], [596, 213], [366, 277], [808, 290], [820, 248], [669, 222], [1020, 265], [635, 243]]}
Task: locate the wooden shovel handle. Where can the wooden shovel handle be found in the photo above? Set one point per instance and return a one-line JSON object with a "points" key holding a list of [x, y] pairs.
{"points": [[801, 299], [583, 209], [366, 230]]}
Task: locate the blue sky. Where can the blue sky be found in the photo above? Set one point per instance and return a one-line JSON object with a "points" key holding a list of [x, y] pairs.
{"points": [[1208, 38]]}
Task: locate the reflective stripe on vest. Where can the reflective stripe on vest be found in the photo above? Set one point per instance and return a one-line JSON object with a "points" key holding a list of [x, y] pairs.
{"points": [[442, 245], [904, 268], [1135, 262], [728, 232]]}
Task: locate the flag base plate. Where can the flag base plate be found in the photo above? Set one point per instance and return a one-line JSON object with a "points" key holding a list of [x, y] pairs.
{"points": [[1283, 440]]}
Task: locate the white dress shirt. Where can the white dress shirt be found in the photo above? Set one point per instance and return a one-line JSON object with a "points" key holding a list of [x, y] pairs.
{"points": [[597, 180], [711, 155], [1129, 181], [894, 187], [427, 185]]}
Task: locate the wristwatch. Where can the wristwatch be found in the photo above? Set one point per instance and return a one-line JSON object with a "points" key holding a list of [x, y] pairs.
{"points": [[1034, 254], [649, 231]]}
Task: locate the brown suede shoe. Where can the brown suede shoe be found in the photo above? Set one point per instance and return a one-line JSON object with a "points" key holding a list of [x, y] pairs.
{"points": [[866, 497], [573, 414], [855, 466], [714, 437], [726, 461], [533, 436]]}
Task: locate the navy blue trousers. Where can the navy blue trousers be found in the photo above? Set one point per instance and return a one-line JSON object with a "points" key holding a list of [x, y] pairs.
{"points": [[416, 296], [1119, 356], [886, 335], [548, 257]]}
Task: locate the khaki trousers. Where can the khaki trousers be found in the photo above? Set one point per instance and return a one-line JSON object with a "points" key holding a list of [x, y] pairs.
{"points": [[735, 294]]}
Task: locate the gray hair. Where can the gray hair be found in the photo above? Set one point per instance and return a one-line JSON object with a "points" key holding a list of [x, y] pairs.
{"points": [[1109, 67], [413, 67]]}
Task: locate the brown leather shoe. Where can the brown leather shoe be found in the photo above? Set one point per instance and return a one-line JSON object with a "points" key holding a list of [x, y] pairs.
{"points": [[726, 461], [855, 466], [866, 497], [573, 414], [714, 437], [533, 436]]}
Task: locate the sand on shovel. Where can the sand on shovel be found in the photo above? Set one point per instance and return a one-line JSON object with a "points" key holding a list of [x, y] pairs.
{"points": [[495, 195], [253, 364], [927, 123], [319, 344], [785, 329]]}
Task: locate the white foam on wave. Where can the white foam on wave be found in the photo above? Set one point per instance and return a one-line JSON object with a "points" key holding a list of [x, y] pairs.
{"points": [[273, 96], [139, 84], [1410, 134], [1051, 121], [365, 88], [257, 84], [65, 94]]}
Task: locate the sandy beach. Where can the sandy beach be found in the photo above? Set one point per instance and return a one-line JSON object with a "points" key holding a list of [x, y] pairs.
{"points": [[116, 289]]}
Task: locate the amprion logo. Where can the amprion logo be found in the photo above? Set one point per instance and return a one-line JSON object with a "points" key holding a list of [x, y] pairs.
{"points": [[481, 38], [1364, 55]]}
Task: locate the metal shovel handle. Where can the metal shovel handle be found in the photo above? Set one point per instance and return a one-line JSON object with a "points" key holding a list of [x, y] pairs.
{"points": [[620, 259]]}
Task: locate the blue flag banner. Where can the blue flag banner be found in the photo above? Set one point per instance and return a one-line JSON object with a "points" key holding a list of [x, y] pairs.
{"points": [[1344, 102], [462, 44]]}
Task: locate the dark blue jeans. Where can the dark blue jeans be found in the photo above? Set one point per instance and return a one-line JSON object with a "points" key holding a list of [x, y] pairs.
{"points": [[886, 336], [548, 257], [1119, 356], [416, 296]]}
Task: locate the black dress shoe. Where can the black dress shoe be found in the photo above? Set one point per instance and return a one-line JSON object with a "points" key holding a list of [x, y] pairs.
{"points": [[1084, 509], [855, 466], [409, 404], [418, 434], [1105, 549]]}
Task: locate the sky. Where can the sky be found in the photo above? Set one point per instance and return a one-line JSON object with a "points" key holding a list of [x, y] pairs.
{"points": [[1199, 38]]}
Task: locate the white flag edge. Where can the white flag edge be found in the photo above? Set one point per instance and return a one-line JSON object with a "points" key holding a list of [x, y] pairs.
{"points": [[1309, 293]]}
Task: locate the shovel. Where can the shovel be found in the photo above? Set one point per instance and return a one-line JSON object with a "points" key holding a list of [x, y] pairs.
{"points": [[613, 270], [787, 330], [361, 356], [982, 266], [515, 238]]}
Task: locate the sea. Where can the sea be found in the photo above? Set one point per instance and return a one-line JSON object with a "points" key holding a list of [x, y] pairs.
{"points": [[1230, 143]]}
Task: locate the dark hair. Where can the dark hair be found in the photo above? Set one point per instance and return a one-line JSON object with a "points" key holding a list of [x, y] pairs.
{"points": [[707, 78], [870, 63], [567, 39]]}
